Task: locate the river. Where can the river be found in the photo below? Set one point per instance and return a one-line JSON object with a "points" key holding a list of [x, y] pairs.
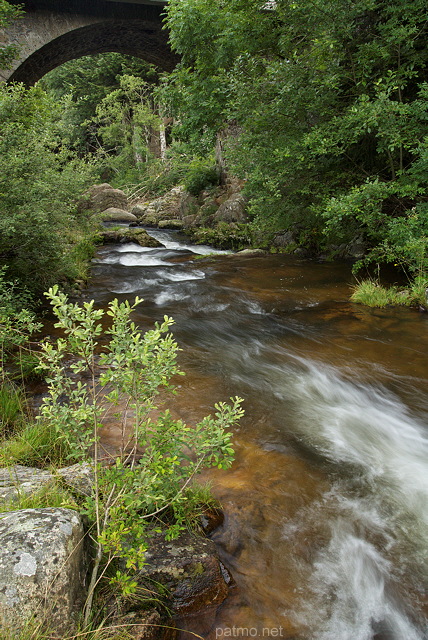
{"points": [[325, 530]]}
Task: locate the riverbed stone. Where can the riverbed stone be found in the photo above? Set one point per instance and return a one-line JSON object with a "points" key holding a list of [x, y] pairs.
{"points": [[251, 252], [171, 224], [140, 236], [190, 570], [42, 568], [119, 215]]}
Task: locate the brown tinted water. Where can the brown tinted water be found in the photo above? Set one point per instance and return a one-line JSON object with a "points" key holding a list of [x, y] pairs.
{"points": [[325, 529]]}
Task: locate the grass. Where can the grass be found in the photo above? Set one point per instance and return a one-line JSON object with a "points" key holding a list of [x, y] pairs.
{"points": [[12, 407], [51, 495], [36, 445], [373, 294]]}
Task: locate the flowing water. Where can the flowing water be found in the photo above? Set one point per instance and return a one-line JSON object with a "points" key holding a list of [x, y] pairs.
{"points": [[325, 529]]}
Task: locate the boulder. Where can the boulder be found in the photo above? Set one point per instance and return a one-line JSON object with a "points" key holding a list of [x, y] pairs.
{"points": [[100, 197], [120, 215], [251, 252], [188, 204], [191, 221], [42, 569], [171, 224], [356, 249], [18, 480], [190, 570], [285, 240], [233, 209], [79, 477], [139, 210], [140, 236], [167, 207]]}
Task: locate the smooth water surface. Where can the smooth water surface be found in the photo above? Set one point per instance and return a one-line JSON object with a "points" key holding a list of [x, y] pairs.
{"points": [[326, 514]]}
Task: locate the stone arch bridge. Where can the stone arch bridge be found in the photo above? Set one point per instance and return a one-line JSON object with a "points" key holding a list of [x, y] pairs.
{"points": [[52, 32]]}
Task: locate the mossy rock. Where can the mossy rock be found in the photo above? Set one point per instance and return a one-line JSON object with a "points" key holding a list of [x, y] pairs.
{"points": [[140, 236]]}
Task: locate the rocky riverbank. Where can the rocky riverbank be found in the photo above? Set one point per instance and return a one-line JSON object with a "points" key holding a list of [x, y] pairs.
{"points": [[46, 558], [217, 216]]}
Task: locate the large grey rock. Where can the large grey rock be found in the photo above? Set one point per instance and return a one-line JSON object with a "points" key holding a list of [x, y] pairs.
{"points": [[120, 215], [356, 249], [19, 480], [251, 252], [167, 207], [42, 568], [285, 239], [79, 477], [100, 197], [139, 210], [171, 224], [233, 209], [140, 236]]}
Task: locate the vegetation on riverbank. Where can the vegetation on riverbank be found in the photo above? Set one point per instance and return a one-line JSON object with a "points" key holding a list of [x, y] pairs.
{"points": [[144, 487], [323, 112], [318, 108]]}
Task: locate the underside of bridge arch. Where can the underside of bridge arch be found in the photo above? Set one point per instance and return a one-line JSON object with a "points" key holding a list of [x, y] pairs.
{"points": [[132, 37]]}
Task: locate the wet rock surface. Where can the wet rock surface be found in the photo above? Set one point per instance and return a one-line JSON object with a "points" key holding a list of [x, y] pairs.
{"points": [[134, 234], [42, 568], [189, 569]]}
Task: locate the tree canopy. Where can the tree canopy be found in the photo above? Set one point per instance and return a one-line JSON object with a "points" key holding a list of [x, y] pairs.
{"points": [[330, 98]]}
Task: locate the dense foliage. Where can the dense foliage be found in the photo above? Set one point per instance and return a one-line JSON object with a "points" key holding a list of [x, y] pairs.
{"points": [[329, 98], [40, 183], [8, 13]]}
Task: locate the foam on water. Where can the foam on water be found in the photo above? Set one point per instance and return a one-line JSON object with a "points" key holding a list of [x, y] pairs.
{"points": [[166, 238], [368, 426], [181, 276], [354, 583]]}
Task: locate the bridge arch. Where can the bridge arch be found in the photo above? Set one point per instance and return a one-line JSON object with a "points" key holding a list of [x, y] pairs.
{"points": [[49, 35]]}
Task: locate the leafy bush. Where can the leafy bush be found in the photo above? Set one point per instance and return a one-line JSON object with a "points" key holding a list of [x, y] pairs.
{"points": [[224, 235], [200, 174], [40, 181], [152, 471]]}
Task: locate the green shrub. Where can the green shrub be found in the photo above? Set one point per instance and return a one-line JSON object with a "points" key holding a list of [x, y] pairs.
{"points": [[151, 473], [224, 235], [201, 174]]}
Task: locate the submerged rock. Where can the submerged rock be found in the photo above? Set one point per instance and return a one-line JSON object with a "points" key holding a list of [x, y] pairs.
{"points": [[42, 569], [251, 252]]}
